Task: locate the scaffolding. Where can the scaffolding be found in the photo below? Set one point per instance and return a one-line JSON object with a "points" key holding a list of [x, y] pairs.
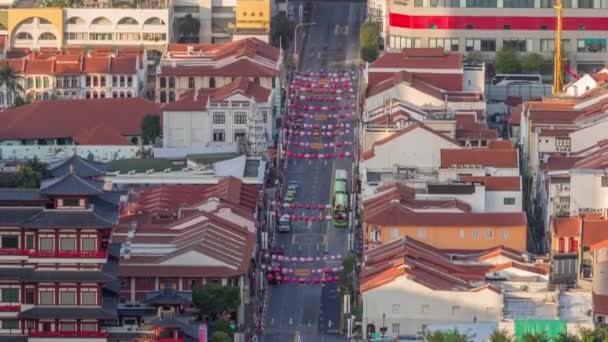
{"points": [[256, 131]]}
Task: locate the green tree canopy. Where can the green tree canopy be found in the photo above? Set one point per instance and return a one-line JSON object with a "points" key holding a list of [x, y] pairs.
{"points": [[31, 174], [507, 61], [9, 79], [532, 62], [188, 28], [501, 336], [220, 336], [281, 30], [222, 325], [150, 128], [214, 300], [447, 336], [368, 38], [474, 57], [535, 337]]}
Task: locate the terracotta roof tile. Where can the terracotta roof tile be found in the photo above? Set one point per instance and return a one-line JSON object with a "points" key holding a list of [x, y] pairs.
{"points": [[370, 153], [101, 134], [123, 65], [96, 65], [241, 67], [68, 65], [419, 59], [594, 231], [39, 67], [479, 156], [39, 119], [500, 145], [566, 226]]}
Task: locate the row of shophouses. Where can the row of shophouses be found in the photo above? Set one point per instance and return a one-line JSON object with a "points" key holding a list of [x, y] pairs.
{"points": [[467, 227]]}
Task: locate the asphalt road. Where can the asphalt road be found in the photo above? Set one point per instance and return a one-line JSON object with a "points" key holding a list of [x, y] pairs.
{"points": [[311, 313]]}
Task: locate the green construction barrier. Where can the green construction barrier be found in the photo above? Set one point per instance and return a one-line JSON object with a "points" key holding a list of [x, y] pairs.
{"points": [[552, 328]]}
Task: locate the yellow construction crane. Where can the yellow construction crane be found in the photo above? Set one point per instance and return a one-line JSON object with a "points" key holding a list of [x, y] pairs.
{"points": [[557, 55]]}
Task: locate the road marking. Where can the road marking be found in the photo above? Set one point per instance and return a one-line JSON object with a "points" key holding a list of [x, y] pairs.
{"points": [[293, 238]]}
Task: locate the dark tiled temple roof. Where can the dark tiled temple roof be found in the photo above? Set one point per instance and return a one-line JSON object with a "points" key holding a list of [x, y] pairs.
{"points": [[168, 297], [14, 194], [69, 184], [68, 219], [12, 216], [82, 167], [67, 313], [29, 274]]}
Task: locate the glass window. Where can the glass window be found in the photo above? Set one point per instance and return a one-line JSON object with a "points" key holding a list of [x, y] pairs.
{"points": [[67, 244], [88, 244], [482, 3], [489, 233], [171, 82], [480, 44], [47, 244], [8, 324], [163, 97], [89, 298], [29, 241], [10, 241], [1, 98], [219, 118], [509, 201], [191, 82], [30, 296], [212, 82], [45, 82], [394, 233], [505, 234], [218, 135], [421, 232], [171, 96], [518, 4], [418, 3], [163, 82], [519, 45], [475, 234], [240, 118], [10, 296], [395, 328], [398, 42], [67, 326], [448, 44], [88, 326], [591, 45], [47, 297], [444, 3], [67, 297]]}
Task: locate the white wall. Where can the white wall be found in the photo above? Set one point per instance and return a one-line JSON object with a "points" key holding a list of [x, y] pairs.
{"points": [[418, 148], [451, 174], [476, 200], [546, 144], [582, 85], [49, 153], [495, 201], [439, 306], [403, 92], [184, 129], [586, 191], [588, 136]]}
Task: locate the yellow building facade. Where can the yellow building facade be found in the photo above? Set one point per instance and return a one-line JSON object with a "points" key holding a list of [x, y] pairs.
{"points": [[38, 27], [253, 15]]}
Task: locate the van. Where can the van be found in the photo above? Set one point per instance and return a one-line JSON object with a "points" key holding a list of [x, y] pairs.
{"points": [[285, 224], [506, 79]]}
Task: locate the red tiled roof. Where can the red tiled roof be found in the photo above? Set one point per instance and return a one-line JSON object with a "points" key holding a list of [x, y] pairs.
{"points": [[249, 47], [600, 304], [479, 156], [370, 153], [123, 65], [557, 162], [594, 231], [427, 58], [240, 85], [39, 67], [547, 132], [566, 226], [68, 65], [500, 145], [101, 134], [494, 183], [40, 119], [515, 115], [96, 65], [241, 67], [421, 263]]}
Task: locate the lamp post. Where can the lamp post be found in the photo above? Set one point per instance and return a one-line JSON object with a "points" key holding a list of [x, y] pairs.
{"points": [[295, 39]]}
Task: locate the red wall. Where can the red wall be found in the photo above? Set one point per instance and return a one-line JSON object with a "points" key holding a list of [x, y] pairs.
{"points": [[495, 23]]}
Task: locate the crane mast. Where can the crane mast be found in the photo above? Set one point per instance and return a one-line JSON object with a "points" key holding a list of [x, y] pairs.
{"points": [[557, 54]]}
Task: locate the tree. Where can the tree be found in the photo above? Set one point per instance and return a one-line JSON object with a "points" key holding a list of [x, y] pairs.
{"points": [[9, 79], [150, 128], [215, 300], [474, 57], [532, 62], [565, 337], [501, 336], [507, 61], [222, 325], [368, 38], [188, 28], [592, 335], [346, 276], [21, 101], [281, 30], [535, 337], [220, 336], [31, 174], [447, 336]]}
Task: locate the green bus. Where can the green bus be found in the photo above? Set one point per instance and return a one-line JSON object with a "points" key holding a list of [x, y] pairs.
{"points": [[340, 199]]}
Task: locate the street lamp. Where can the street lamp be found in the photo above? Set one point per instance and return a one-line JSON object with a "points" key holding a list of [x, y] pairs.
{"points": [[295, 39]]}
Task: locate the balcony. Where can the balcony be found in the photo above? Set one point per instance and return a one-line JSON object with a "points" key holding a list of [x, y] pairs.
{"points": [[52, 254], [10, 308], [68, 334]]}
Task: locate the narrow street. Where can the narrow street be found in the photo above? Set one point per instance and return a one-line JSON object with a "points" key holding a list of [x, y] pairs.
{"points": [[311, 312]]}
